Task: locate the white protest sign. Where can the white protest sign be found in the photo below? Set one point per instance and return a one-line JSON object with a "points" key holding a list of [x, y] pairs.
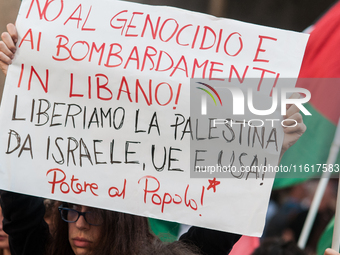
{"points": [[96, 108]]}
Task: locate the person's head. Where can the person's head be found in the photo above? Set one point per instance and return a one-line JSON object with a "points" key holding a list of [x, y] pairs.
{"points": [[96, 231], [174, 248], [4, 245], [277, 246]]}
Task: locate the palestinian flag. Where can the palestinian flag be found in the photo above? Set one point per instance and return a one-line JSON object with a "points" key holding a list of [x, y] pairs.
{"points": [[320, 71]]}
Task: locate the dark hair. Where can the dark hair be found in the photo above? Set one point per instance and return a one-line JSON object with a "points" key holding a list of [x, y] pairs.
{"points": [[49, 207], [121, 233], [277, 246], [174, 248]]}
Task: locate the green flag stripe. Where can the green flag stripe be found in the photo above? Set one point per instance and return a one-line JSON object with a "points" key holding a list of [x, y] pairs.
{"points": [[165, 230], [312, 148]]}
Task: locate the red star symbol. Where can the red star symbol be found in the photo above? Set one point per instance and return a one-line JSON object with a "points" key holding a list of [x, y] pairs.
{"points": [[212, 184]]}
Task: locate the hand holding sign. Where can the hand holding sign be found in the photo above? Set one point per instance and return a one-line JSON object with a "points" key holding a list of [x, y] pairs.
{"points": [[331, 252], [294, 129], [7, 47]]}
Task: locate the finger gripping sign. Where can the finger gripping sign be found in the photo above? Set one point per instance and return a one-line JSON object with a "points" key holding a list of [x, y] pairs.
{"points": [[96, 110]]}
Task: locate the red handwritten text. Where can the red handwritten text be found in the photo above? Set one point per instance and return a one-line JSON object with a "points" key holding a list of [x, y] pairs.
{"points": [[58, 181]]}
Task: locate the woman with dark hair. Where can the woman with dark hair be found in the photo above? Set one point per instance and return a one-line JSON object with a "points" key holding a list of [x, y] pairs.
{"points": [[78, 230], [98, 231]]}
